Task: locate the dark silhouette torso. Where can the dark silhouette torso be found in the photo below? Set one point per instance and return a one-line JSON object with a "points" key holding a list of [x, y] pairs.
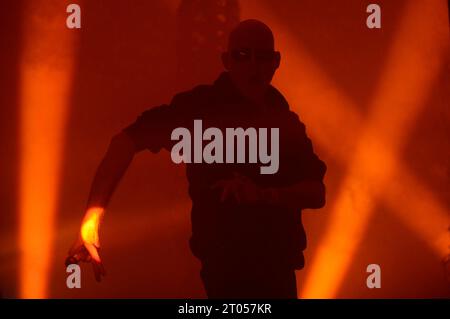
{"points": [[253, 233]]}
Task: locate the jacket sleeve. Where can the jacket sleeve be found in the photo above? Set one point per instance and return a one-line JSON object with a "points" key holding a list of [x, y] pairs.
{"points": [[152, 129]]}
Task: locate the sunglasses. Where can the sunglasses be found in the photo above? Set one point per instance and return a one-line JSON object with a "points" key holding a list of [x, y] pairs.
{"points": [[245, 55]]}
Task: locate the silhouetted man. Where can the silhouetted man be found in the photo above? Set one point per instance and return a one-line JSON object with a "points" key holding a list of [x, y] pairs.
{"points": [[246, 226]]}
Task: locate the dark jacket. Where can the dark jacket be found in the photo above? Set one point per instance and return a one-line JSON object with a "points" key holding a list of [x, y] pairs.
{"points": [[226, 230]]}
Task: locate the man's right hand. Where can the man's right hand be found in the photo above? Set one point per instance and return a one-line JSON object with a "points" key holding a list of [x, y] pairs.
{"points": [[86, 247]]}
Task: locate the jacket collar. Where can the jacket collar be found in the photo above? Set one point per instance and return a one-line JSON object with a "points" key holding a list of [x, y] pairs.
{"points": [[229, 93]]}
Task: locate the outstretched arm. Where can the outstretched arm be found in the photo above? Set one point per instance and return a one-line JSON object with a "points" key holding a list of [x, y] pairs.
{"points": [[114, 164], [116, 161], [151, 131]]}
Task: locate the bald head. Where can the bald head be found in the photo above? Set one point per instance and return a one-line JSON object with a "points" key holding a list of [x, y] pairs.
{"points": [[251, 59], [251, 34]]}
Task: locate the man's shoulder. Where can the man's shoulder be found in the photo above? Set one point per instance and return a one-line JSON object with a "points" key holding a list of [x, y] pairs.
{"points": [[278, 99], [282, 105], [290, 117]]}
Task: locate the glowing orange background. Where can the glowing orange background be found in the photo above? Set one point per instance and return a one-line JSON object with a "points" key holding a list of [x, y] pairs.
{"points": [[375, 103]]}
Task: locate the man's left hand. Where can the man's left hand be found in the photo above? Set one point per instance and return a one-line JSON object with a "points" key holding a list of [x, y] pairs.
{"points": [[239, 189]]}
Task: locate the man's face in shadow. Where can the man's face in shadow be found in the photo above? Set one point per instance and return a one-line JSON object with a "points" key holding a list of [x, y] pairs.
{"points": [[251, 60]]}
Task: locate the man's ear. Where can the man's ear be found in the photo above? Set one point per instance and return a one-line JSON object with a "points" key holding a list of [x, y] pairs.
{"points": [[226, 60], [277, 59]]}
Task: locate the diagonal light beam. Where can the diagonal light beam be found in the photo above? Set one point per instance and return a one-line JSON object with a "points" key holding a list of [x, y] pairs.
{"points": [[46, 71]]}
